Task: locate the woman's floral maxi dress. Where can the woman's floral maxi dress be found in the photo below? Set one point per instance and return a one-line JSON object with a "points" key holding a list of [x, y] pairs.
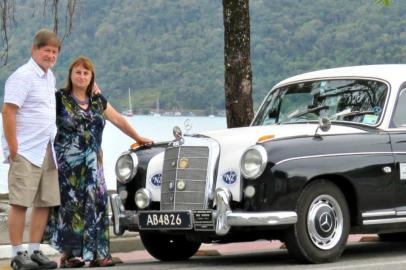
{"points": [[80, 225]]}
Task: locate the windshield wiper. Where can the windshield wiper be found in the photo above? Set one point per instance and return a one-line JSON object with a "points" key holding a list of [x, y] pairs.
{"points": [[310, 110], [354, 113]]}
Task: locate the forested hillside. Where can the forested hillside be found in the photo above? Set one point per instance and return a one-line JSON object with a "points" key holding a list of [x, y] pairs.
{"points": [[174, 49]]}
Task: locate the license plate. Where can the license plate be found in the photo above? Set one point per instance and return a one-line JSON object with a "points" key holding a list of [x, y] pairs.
{"points": [[157, 220]]}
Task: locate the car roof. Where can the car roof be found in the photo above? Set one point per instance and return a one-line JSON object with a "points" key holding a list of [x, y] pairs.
{"points": [[395, 74]]}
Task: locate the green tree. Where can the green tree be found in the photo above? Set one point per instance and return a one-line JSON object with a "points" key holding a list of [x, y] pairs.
{"points": [[384, 2], [237, 59], [7, 9], [174, 49]]}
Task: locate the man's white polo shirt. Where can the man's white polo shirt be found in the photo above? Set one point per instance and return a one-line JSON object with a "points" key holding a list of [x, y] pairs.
{"points": [[33, 91]]}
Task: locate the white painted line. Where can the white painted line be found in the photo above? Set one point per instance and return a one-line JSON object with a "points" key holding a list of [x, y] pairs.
{"points": [[368, 265]]}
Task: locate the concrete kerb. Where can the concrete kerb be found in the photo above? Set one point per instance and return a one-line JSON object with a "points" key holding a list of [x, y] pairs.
{"points": [[129, 241]]}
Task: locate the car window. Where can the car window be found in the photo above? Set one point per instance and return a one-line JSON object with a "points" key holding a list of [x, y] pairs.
{"points": [[399, 115], [271, 105], [356, 101], [294, 102]]}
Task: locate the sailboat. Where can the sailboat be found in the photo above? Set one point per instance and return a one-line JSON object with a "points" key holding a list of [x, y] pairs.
{"points": [[157, 113], [211, 111], [129, 112]]}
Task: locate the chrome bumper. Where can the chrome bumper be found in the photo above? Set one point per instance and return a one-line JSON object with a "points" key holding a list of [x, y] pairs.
{"points": [[227, 218], [224, 217], [122, 219]]}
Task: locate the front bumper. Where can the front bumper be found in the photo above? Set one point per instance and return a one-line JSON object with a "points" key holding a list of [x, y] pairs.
{"points": [[224, 217]]}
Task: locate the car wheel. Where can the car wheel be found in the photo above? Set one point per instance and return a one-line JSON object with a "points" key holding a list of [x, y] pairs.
{"points": [[166, 247], [323, 224]]}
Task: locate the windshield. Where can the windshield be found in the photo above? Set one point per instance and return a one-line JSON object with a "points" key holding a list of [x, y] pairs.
{"points": [[357, 101]]}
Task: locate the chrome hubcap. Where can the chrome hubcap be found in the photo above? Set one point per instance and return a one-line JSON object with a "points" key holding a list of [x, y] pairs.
{"points": [[325, 222]]}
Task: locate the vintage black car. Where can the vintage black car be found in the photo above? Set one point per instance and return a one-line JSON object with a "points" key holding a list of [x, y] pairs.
{"points": [[324, 157]]}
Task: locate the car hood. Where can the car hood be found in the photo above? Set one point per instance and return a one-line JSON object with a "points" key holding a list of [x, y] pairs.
{"points": [[250, 135], [233, 142]]}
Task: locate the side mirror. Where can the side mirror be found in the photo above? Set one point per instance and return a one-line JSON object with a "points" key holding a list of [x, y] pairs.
{"points": [[324, 125]]}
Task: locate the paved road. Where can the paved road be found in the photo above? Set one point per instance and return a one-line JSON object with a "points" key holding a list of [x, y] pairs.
{"points": [[358, 255], [362, 252]]}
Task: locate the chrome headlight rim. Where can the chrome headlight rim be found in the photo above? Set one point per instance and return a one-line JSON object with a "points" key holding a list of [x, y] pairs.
{"points": [[264, 160], [133, 169], [148, 195]]}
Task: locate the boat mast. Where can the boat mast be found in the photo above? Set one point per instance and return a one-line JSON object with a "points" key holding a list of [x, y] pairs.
{"points": [[129, 100], [157, 105]]}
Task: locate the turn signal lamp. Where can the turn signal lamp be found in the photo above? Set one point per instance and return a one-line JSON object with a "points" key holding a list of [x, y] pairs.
{"points": [[265, 138], [134, 146]]}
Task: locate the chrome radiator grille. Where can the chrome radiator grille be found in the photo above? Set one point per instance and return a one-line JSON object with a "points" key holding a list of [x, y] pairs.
{"points": [[184, 178]]}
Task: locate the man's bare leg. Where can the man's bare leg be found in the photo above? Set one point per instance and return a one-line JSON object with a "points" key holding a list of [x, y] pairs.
{"points": [[16, 224], [39, 220]]}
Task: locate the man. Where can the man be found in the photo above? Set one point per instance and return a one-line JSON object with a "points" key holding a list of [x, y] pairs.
{"points": [[29, 130]]}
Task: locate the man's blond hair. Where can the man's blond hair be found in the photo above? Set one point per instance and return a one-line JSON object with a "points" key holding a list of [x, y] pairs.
{"points": [[46, 37]]}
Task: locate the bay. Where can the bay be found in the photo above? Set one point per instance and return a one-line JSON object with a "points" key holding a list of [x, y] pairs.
{"points": [[157, 128]]}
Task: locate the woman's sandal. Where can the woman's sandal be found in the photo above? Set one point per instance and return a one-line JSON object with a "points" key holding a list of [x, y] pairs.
{"points": [[71, 262], [102, 263]]}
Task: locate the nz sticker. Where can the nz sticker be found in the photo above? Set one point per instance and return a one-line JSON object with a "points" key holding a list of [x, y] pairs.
{"points": [[402, 167], [156, 179], [229, 177]]}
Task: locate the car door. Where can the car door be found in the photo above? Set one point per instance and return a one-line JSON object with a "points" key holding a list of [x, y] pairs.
{"points": [[398, 142]]}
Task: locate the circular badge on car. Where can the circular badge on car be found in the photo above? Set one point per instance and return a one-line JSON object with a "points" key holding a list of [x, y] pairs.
{"points": [[229, 177], [377, 110], [156, 180]]}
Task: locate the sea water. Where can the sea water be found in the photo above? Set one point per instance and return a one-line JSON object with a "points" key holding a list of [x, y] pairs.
{"points": [[157, 128]]}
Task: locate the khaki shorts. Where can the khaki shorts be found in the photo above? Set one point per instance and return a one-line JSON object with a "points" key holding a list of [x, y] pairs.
{"points": [[30, 185]]}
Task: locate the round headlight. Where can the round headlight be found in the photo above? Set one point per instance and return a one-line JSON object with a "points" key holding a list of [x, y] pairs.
{"points": [[126, 167], [253, 162], [142, 198]]}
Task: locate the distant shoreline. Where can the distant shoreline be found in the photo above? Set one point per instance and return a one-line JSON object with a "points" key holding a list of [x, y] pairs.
{"points": [[145, 125]]}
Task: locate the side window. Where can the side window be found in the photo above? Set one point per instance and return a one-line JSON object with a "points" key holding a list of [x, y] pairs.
{"points": [[399, 115]]}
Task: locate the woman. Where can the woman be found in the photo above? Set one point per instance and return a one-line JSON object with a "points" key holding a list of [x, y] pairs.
{"points": [[80, 227]]}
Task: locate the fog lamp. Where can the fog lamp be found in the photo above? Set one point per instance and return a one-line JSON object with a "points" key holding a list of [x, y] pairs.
{"points": [[249, 191], [143, 198]]}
